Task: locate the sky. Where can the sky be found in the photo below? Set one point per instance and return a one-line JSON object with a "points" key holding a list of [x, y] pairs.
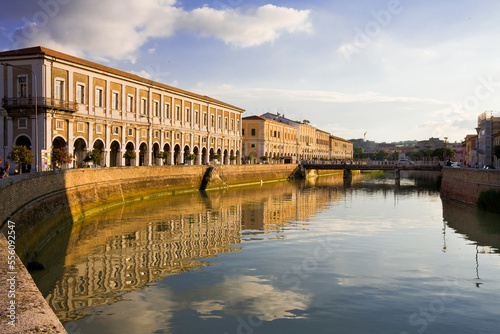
{"points": [[388, 69]]}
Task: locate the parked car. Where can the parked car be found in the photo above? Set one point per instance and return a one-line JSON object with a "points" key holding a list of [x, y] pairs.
{"points": [[405, 162], [93, 166]]}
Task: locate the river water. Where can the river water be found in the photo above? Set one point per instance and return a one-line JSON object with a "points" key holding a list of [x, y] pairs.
{"points": [[316, 257]]}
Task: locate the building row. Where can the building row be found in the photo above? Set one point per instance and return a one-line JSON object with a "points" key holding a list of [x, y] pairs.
{"points": [[274, 137], [479, 147], [51, 100]]}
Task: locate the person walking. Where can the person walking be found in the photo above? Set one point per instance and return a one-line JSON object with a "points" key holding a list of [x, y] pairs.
{"points": [[6, 170]]}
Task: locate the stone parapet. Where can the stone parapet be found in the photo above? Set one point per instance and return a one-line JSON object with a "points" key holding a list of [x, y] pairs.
{"points": [[465, 184]]}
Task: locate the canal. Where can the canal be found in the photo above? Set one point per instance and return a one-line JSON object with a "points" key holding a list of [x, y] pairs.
{"points": [[297, 257]]}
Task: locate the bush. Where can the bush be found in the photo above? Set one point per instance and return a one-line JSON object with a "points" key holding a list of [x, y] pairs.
{"points": [[489, 200]]}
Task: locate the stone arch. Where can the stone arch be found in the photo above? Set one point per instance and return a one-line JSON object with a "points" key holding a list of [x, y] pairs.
{"points": [[130, 148], [166, 148], [79, 152], [25, 141], [114, 154], [197, 160], [177, 154], [155, 161], [143, 148], [99, 144], [204, 155]]}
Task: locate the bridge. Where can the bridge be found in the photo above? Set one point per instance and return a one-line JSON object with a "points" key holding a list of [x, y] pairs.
{"points": [[349, 166]]}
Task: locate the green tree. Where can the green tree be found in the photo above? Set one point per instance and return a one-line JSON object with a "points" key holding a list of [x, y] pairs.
{"points": [[359, 153], [60, 156], [129, 155], [94, 156], [21, 155], [263, 158], [163, 155], [382, 155]]}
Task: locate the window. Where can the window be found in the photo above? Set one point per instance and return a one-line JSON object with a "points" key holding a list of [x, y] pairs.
{"points": [[59, 124], [212, 121], [253, 132], [80, 127], [242, 132], [167, 134], [188, 115], [156, 110], [115, 130], [225, 123], [144, 106], [167, 110], [252, 145], [178, 113], [98, 102], [144, 133], [130, 132], [157, 133], [22, 123], [205, 119], [59, 89], [178, 136], [98, 128], [80, 93], [196, 117], [130, 103], [22, 86], [115, 101], [232, 125], [219, 122]]}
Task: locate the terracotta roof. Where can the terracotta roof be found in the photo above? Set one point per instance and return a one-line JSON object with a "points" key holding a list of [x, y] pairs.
{"points": [[48, 52]]}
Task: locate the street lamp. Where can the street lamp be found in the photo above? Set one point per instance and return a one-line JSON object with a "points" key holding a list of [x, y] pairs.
{"points": [[36, 110], [444, 152]]}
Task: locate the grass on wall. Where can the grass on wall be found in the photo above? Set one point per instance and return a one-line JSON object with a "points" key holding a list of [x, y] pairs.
{"points": [[489, 200]]}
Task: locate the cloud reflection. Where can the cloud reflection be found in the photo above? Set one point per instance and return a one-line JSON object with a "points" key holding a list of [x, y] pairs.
{"points": [[249, 295]]}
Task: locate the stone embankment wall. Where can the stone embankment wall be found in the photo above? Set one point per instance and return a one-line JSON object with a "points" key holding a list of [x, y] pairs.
{"points": [[41, 205], [465, 184]]}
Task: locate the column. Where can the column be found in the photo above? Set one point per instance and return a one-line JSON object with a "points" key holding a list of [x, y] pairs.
{"points": [[107, 137], [70, 137]]}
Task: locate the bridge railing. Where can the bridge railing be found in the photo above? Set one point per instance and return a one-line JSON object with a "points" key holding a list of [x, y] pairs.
{"points": [[370, 163]]}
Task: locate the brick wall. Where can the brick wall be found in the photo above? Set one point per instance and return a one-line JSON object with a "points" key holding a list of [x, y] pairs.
{"points": [[465, 185]]}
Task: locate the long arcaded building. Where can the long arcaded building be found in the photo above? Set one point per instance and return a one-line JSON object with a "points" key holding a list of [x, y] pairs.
{"points": [[54, 100]]}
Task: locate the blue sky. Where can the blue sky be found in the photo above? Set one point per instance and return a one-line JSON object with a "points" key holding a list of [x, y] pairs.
{"points": [[397, 69]]}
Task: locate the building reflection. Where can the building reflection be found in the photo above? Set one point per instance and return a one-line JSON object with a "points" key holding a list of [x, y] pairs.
{"points": [[128, 247]]}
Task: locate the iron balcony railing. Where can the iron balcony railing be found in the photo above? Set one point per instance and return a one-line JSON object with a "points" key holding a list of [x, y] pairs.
{"points": [[41, 102]]}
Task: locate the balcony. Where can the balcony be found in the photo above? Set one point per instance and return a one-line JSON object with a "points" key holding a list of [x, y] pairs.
{"points": [[42, 102]]}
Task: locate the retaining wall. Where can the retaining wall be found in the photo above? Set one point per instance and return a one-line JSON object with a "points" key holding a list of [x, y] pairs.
{"points": [[41, 204], [465, 184]]}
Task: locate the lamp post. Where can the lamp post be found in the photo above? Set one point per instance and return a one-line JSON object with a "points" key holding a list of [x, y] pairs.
{"points": [[444, 152], [36, 111]]}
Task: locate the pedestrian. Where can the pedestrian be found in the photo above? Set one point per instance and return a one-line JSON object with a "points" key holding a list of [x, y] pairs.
{"points": [[6, 170]]}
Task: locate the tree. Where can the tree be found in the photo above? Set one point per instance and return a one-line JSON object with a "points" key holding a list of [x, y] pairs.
{"points": [[306, 121], [382, 155], [359, 152], [94, 156], [214, 156], [60, 156], [21, 155], [263, 158], [190, 157], [163, 155], [232, 157], [129, 155], [440, 153]]}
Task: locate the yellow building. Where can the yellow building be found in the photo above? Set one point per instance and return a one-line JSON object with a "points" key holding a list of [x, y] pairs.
{"points": [[264, 137], [340, 148], [54, 100]]}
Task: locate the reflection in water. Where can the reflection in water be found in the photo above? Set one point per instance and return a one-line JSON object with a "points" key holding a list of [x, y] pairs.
{"points": [[128, 247], [286, 257]]}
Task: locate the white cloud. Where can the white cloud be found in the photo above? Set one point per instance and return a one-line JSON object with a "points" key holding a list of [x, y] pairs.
{"points": [[252, 28], [108, 29]]}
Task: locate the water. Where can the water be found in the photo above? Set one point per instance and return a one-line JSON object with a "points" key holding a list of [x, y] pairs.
{"points": [[281, 258]]}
